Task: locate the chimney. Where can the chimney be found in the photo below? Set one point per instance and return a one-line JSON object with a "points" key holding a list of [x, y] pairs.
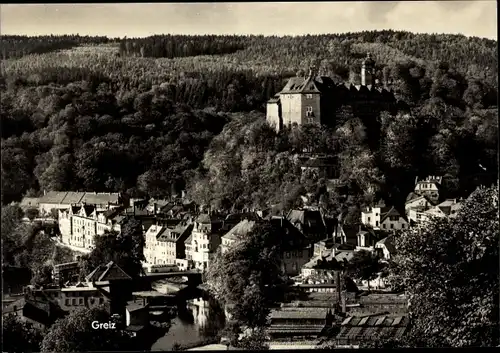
{"points": [[344, 304], [311, 71], [416, 180], [338, 285]]}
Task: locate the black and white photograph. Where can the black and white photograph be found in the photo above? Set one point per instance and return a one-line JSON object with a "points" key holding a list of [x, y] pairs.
{"points": [[249, 176]]}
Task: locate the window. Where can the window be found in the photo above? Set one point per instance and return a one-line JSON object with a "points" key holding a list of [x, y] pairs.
{"points": [[384, 226], [310, 120], [376, 223], [73, 301], [392, 225], [403, 226], [309, 109], [80, 301], [101, 300], [369, 219], [66, 302], [309, 96]]}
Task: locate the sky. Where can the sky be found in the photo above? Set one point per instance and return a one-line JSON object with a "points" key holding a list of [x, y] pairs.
{"points": [[471, 18]]}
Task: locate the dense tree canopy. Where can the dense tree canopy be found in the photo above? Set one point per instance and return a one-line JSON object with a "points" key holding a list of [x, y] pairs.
{"points": [[124, 248], [248, 275], [449, 270], [68, 114], [75, 333], [19, 337]]}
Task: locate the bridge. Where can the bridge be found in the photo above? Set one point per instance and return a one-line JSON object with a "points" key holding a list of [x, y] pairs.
{"points": [[194, 278]]}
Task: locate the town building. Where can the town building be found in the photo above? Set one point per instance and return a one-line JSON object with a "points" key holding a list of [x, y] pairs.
{"points": [[358, 329], [415, 206], [317, 99], [237, 233], [79, 224], [429, 187], [448, 208], [309, 222], [385, 218], [165, 242], [41, 314], [297, 250], [325, 167], [65, 272], [368, 237], [63, 200], [387, 247], [108, 286], [204, 240], [29, 202]]}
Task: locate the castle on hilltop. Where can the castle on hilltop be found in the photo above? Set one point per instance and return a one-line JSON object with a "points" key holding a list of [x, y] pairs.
{"points": [[317, 99]]}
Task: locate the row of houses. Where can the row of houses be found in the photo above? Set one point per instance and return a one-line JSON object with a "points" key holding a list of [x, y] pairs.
{"points": [[174, 235], [107, 286]]}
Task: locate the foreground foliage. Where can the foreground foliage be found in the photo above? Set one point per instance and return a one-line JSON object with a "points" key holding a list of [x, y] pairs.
{"points": [[449, 272], [19, 337], [124, 248], [74, 333], [247, 276]]}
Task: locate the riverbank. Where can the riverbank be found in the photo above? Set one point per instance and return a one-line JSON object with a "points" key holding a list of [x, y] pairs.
{"points": [[272, 346]]}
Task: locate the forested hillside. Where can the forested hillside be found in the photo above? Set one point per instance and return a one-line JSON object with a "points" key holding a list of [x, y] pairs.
{"points": [[139, 115], [18, 46]]}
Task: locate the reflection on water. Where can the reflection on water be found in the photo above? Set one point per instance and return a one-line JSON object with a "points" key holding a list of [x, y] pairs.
{"points": [[197, 319]]}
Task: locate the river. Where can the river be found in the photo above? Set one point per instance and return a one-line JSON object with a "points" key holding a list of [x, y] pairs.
{"points": [[199, 317]]}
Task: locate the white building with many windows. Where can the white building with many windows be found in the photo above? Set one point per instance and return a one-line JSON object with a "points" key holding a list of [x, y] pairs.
{"points": [[204, 241], [80, 223]]}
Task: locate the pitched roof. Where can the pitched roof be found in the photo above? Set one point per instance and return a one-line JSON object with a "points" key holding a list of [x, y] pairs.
{"points": [[412, 196], [29, 201], [389, 244], [350, 232], [73, 197], [309, 84], [236, 217], [274, 99], [299, 313], [109, 272], [100, 198], [240, 230], [54, 197], [310, 220], [134, 306], [313, 262], [292, 237], [75, 208], [206, 218], [88, 209], [174, 234], [344, 255], [392, 212]]}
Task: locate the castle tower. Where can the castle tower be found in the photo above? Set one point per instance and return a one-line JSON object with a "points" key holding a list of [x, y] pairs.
{"points": [[367, 71]]}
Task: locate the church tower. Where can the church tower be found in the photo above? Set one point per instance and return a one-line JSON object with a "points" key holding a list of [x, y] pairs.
{"points": [[368, 71]]}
